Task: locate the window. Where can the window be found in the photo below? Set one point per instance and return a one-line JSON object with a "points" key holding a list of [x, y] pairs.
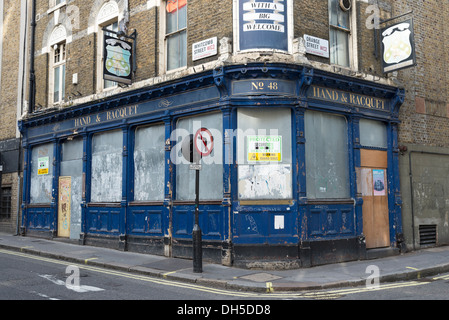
{"points": [[373, 134], [113, 27], [107, 159], [5, 211], [58, 60], [211, 175], [264, 154], [339, 34], [149, 163], [41, 174], [107, 18], [176, 33], [327, 160], [56, 3]]}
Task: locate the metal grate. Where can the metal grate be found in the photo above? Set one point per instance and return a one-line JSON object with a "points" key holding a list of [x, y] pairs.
{"points": [[427, 234]]}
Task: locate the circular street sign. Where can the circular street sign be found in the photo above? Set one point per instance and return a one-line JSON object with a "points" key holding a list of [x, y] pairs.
{"points": [[204, 142]]}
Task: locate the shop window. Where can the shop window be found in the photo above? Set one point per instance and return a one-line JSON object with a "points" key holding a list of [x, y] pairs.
{"points": [[264, 153], [211, 175], [41, 174], [339, 33], [149, 163], [373, 134], [5, 211], [176, 34], [58, 72], [107, 160], [327, 160]]}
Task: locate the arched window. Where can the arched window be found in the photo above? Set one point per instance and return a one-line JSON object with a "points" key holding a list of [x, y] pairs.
{"points": [[107, 19], [57, 64]]}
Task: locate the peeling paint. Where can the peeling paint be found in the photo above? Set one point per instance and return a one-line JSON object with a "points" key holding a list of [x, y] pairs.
{"points": [[265, 181]]}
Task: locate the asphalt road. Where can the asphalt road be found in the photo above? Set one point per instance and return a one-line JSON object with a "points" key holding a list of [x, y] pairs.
{"points": [[29, 277]]}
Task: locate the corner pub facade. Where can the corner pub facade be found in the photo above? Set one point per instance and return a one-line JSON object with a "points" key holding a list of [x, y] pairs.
{"points": [[304, 166]]}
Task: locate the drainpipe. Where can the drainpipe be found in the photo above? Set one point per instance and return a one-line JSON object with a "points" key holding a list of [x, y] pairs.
{"points": [[32, 88]]}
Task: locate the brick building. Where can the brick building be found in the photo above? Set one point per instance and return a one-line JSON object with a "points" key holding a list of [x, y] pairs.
{"points": [[423, 132], [306, 128], [13, 58]]}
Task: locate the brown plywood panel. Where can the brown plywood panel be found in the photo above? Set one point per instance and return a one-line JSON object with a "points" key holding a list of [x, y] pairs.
{"points": [[368, 221], [376, 227], [373, 158], [381, 222]]}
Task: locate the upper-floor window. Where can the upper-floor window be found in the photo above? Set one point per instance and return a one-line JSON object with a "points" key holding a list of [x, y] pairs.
{"points": [[176, 34], [57, 50], [59, 59], [112, 27], [107, 20], [340, 32], [55, 4]]}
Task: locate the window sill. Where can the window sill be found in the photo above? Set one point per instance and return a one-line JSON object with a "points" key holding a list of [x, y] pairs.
{"points": [[169, 72], [104, 204], [265, 202], [145, 203], [330, 201]]}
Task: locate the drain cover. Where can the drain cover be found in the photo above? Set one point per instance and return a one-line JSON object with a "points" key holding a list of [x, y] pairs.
{"points": [[261, 277]]}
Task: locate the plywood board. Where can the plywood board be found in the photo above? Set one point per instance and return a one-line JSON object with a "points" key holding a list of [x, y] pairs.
{"points": [[64, 203], [373, 158], [376, 227]]}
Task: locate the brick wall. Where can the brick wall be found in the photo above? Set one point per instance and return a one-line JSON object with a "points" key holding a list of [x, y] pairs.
{"points": [[425, 114], [206, 19], [8, 99]]}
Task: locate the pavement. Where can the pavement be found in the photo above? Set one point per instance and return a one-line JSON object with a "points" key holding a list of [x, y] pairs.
{"points": [[408, 266]]}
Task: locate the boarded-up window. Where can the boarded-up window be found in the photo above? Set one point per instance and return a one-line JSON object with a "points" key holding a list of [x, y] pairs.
{"points": [[72, 166], [211, 175], [264, 154], [327, 166], [149, 163], [41, 174], [107, 159]]}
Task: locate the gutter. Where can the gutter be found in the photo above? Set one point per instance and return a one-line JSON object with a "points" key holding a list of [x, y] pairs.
{"points": [[32, 88]]}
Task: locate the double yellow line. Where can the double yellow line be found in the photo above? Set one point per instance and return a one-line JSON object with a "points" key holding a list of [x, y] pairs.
{"points": [[329, 294], [335, 294], [135, 276]]}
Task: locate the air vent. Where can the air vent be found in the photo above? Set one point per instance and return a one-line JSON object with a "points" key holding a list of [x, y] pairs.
{"points": [[427, 234], [345, 5]]}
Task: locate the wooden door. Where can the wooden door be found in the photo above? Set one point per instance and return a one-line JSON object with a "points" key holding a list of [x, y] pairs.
{"points": [[64, 204], [376, 225]]}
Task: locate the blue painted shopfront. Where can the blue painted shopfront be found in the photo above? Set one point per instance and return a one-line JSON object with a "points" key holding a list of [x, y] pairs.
{"points": [[135, 196]]}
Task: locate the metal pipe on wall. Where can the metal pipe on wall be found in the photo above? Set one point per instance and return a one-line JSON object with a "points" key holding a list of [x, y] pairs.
{"points": [[32, 88]]}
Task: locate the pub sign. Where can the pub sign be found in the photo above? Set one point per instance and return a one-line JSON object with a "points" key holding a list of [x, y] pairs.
{"points": [[117, 60], [398, 47], [263, 24]]}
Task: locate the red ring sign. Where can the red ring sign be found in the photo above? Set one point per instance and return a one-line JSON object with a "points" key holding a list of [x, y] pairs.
{"points": [[204, 142]]}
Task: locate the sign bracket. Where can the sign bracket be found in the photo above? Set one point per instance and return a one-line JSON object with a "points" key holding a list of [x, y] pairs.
{"points": [[376, 32]]}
